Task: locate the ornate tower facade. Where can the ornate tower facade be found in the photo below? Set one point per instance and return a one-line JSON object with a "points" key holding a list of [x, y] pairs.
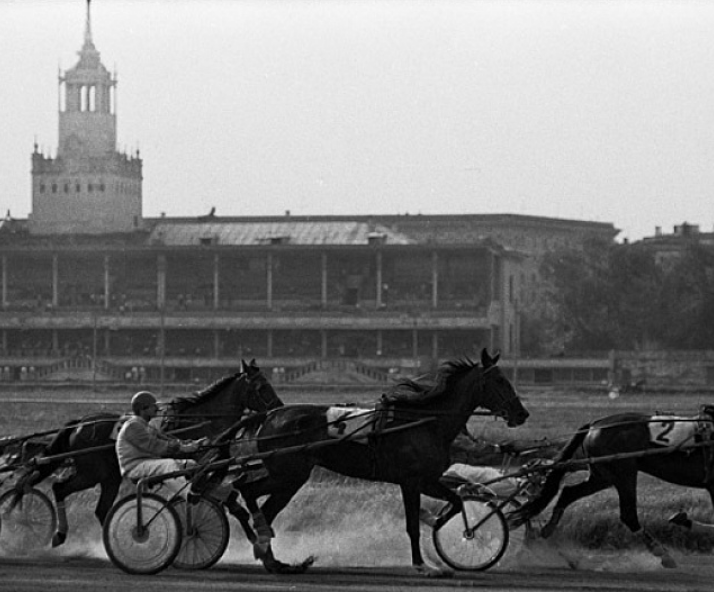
{"points": [[89, 187]]}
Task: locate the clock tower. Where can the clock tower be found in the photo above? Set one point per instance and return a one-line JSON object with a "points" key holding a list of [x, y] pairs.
{"points": [[88, 187]]}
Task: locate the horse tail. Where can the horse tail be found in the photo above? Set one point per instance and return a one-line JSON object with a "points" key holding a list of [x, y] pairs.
{"points": [[552, 482], [35, 472]]}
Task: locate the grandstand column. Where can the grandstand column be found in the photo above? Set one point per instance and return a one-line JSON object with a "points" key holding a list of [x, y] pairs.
{"points": [[269, 280], [494, 296], [55, 281], [323, 343], [161, 282], [435, 346], [378, 275], [434, 279], [216, 344], [216, 282], [323, 297], [270, 343], [4, 281], [107, 288]]}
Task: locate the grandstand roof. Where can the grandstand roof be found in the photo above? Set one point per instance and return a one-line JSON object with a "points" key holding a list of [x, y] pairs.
{"points": [[172, 233]]}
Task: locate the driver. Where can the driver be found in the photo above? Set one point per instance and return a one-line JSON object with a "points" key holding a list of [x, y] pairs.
{"points": [[145, 451]]}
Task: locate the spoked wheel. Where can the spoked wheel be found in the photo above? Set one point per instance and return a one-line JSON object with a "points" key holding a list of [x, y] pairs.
{"points": [[205, 533], [464, 543], [147, 551], [29, 524]]}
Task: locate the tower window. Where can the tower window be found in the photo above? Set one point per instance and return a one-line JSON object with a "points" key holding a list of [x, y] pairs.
{"points": [[66, 187], [90, 187], [54, 187], [92, 99], [101, 187], [77, 188], [88, 98]]}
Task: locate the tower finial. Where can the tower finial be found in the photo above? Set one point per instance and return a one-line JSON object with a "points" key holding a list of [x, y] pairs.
{"points": [[88, 27]]}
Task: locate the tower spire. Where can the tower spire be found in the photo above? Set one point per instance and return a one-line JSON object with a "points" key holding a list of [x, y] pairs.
{"points": [[88, 43]]}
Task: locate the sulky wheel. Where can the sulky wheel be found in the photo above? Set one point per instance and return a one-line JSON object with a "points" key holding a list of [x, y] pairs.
{"points": [[205, 533], [465, 546], [27, 525], [146, 552]]}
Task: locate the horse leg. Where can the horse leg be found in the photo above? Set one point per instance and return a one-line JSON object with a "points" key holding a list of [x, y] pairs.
{"points": [[626, 485], [279, 494], [569, 495], [60, 491], [109, 491], [438, 490], [411, 495], [243, 517]]}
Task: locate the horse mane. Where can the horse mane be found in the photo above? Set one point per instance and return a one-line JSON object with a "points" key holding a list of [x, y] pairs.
{"points": [[181, 403], [426, 389]]}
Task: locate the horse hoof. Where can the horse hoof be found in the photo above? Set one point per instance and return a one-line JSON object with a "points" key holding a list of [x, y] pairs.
{"points": [[278, 567], [58, 539], [668, 562], [433, 572]]}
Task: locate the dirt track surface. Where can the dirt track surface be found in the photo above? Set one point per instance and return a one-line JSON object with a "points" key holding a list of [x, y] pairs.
{"points": [[90, 575]]}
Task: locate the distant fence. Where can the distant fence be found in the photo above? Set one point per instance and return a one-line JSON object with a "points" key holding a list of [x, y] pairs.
{"points": [[645, 370]]}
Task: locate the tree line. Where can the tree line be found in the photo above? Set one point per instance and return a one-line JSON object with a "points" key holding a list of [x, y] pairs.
{"points": [[621, 296]]}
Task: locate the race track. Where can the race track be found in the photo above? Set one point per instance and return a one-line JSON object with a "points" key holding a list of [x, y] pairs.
{"points": [[90, 575]]}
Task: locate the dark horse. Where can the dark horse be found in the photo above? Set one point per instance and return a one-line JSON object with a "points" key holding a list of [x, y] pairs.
{"points": [[659, 445], [413, 458], [89, 441]]}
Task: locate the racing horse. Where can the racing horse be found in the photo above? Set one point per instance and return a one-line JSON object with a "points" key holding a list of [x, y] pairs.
{"points": [[290, 440], [664, 446], [89, 441]]}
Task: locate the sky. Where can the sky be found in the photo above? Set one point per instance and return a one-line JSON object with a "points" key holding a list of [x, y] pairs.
{"points": [[598, 110]]}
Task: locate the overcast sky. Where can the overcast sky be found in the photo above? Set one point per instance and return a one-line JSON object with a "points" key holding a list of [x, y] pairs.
{"points": [[580, 109]]}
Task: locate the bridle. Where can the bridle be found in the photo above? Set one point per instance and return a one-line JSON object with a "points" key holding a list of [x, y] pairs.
{"points": [[497, 398], [259, 383]]}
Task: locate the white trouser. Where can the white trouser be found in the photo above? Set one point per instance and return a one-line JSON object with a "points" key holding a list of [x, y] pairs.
{"points": [[160, 466]]}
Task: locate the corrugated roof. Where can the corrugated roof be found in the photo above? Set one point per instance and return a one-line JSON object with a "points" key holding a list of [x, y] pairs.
{"points": [[262, 233]]}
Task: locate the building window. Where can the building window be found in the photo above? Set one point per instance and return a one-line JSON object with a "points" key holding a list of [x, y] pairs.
{"points": [[42, 188], [66, 187], [90, 188], [54, 187], [92, 98], [77, 188], [101, 187]]}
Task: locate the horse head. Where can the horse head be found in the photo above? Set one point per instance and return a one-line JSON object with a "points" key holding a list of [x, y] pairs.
{"points": [[500, 396], [222, 403], [261, 395]]}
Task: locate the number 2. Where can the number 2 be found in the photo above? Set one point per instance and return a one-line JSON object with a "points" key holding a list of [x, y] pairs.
{"points": [[663, 436]]}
